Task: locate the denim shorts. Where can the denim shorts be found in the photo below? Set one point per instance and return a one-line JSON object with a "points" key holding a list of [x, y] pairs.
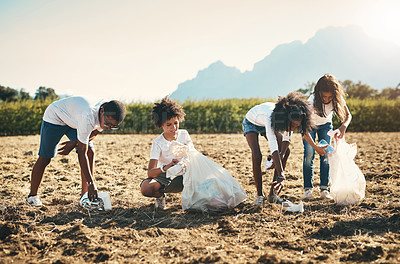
{"points": [[168, 185], [249, 127], [50, 136]]}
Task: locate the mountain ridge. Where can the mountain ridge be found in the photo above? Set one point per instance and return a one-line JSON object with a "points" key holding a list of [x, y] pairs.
{"points": [[346, 52]]}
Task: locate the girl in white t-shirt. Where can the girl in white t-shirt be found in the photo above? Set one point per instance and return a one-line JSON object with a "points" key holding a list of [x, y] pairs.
{"points": [[275, 122], [328, 98]]}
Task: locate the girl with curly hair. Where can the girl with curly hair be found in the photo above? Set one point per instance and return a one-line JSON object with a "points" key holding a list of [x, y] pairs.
{"points": [[327, 99], [275, 122]]}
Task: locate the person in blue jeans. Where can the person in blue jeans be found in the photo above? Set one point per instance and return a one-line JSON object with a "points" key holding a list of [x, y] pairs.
{"points": [[327, 98]]}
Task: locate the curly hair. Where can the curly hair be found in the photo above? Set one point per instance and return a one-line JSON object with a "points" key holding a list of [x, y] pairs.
{"points": [[329, 83], [290, 108], [165, 110]]}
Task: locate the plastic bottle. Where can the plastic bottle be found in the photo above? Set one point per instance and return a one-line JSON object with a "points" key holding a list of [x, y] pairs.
{"points": [[323, 143]]}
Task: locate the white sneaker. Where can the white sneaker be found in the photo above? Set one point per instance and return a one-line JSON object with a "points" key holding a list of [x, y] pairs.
{"points": [[34, 200], [308, 194], [160, 203], [259, 202], [326, 195]]}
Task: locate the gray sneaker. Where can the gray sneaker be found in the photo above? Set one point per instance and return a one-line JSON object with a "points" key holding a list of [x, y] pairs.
{"points": [[160, 203], [259, 202], [275, 199]]}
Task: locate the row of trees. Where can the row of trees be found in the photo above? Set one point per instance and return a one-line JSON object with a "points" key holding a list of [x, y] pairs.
{"points": [[360, 90], [354, 90], [8, 94]]}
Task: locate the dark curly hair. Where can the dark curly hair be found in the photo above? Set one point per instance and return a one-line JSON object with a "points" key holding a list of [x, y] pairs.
{"points": [[165, 110], [289, 108]]}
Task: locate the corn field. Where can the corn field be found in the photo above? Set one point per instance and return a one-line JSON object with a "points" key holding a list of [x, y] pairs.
{"points": [[205, 116]]}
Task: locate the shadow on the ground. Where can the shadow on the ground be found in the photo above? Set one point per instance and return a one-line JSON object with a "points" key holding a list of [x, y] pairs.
{"points": [[368, 226]]}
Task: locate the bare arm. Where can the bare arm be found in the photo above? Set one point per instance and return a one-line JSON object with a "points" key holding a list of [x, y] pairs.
{"points": [[153, 171], [84, 164], [345, 123], [285, 146], [68, 146], [93, 134], [320, 150]]}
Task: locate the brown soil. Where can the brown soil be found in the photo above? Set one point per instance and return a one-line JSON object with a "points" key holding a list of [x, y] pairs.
{"points": [[61, 232]]}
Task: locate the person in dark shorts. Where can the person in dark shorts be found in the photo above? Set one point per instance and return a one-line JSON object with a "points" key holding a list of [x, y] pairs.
{"points": [[80, 121], [166, 115]]}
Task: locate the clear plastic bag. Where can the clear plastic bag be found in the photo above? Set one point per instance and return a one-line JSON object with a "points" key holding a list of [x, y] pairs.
{"points": [[347, 180]]}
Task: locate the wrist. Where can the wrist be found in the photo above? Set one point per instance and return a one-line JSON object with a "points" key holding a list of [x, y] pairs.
{"points": [[162, 168], [281, 177]]}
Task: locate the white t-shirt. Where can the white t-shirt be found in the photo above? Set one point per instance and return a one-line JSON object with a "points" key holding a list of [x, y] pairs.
{"points": [[260, 115], [319, 120], [75, 112], [160, 147]]}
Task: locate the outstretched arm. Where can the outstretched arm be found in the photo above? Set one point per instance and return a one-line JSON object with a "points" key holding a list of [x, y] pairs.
{"points": [[320, 150], [68, 146], [84, 164], [345, 123]]}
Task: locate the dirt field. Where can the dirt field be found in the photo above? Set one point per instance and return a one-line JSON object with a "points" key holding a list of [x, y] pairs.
{"points": [[133, 232]]}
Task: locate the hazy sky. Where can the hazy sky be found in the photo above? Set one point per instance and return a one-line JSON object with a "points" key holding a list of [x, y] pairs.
{"points": [[142, 50]]}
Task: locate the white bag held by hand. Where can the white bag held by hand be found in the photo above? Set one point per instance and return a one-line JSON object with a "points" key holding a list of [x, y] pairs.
{"points": [[206, 184], [347, 180]]}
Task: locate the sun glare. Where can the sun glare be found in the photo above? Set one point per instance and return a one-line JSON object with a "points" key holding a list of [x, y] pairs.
{"points": [[383, 21]]}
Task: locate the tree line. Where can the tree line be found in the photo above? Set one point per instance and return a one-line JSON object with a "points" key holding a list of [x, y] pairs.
{"points": [[8, 94], [360, 90], [357, 90]]}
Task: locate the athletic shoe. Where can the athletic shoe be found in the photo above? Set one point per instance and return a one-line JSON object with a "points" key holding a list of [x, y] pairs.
{"points": [[308, 194], [326, 195], [275, 199], [259, 202], [160, 203], [34, 200]]}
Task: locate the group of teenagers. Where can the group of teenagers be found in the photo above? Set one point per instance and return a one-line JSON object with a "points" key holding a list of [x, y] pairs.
{"points": [[80, 121]]}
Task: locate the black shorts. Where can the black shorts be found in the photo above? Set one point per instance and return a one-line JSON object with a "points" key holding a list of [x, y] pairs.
{"points": [[168, 185]]}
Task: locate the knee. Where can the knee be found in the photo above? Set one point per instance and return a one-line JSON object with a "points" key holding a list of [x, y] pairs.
{"points": [[308, 157], [147, 190], [43, 162], [90, 153], [324, 160]]}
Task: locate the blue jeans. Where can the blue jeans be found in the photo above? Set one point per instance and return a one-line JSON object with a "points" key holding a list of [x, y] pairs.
{"points": [[308, 159]]}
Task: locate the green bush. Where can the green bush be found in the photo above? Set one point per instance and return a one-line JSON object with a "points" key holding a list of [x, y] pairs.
{"points": [[21, 117], [206, 116]]}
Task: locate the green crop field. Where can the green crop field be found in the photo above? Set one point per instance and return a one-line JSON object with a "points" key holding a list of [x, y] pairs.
{"points": [[205, 116]]}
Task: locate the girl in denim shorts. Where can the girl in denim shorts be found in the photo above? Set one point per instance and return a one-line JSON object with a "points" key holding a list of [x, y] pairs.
{"points": [[275, 122]]}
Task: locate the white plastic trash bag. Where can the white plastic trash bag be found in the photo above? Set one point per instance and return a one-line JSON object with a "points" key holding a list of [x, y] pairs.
{"points": [[347, 180], [206, 185]]}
